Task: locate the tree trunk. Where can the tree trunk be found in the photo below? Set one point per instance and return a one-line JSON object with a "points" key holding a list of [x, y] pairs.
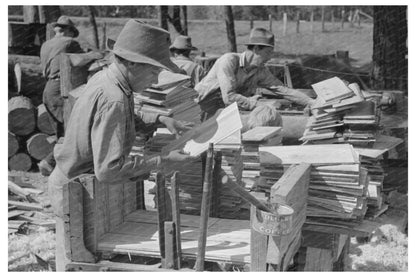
{"points": [[390, 48], [163, 17], [94, 26], [43, 122], [40, 145], [49, 14], [229, 23], [176, 19], [20, 162], [185, 20], [30, 14], [22, 117], [13, 144]]}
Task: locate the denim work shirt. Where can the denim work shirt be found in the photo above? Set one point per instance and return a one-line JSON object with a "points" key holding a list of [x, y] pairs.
{"points": [[50, 52], [191, 68], [101, 131], [230, 77]]}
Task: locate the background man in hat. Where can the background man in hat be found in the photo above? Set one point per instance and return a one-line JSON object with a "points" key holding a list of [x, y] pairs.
{"points": [[180, 50], [62, 42], [101, 129], [234, 78]]}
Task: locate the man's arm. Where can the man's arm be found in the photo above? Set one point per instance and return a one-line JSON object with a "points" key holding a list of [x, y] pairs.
{"points": [[269, 81], [108, 134]]}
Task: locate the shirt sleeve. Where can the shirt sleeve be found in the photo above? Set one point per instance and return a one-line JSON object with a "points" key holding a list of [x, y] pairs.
{"points": [[108, 135], [228, 84]]}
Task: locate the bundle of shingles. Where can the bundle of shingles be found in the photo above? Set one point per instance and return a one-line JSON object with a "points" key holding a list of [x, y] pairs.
{"points": [[25, 213], [171, 96], [338, 183], [252, 140], [341, 115]]}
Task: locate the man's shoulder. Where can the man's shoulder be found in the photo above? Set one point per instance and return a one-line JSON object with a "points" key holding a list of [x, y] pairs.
{"points": [[230, 58], [101, 86]]}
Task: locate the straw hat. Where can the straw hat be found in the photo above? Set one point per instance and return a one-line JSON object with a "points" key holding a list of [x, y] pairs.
{"points": [[183, 43], [261, 36], [65, 22], [142, 43]]}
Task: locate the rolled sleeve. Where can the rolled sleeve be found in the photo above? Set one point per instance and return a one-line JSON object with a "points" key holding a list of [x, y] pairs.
{"points": [[108, 135]]}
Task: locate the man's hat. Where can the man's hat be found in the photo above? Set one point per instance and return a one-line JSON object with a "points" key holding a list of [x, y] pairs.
{"points": [[183, 43], [142, 43], [65, 22], [261, 36]]}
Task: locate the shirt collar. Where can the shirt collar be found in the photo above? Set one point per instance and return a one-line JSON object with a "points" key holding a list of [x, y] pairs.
{"points": [[115, 74], [245, 65], [181, 58]]}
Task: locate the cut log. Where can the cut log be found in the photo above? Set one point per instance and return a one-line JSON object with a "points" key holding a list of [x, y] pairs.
{"points": [[13, 144], [44, 123], [20, 162], [22, 120], [39, 146], [26, 206]]}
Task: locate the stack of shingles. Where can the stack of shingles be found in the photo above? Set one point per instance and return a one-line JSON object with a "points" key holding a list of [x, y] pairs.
{"points": [[252, 139], [230, 204], [371, 159], [190, 173], [24, 212], [171, 96], [338, 183], [341, 115]]}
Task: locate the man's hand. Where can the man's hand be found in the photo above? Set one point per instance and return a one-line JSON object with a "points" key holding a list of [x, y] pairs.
{"points": [[177, 156], [174, 126]]}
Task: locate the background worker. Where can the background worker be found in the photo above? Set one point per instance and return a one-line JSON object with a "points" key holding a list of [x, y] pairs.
{"points": [[180, 51], [235, 77], [62, 42], [101, 129]]}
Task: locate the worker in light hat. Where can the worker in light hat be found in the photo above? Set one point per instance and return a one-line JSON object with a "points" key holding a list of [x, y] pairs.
{"points": [[101, 129], [180, 51], [235, 77]]}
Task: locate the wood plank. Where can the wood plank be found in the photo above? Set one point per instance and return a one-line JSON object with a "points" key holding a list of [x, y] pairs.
{"points": [[213, 130], [161, 211], [26, 206], [324, 154], [15, 213], [261, 133], [175, 181]]}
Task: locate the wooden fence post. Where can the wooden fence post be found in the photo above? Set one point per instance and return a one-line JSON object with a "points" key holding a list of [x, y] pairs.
{"points": [[342, 18], [251, 23], [297, 21], [333, 19], [284, 23], [270, 23], [323, 18], [311, 20]]}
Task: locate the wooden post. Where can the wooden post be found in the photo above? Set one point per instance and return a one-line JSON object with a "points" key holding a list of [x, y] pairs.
{"points": [[94, 26], [270, 23], [202, 239], [288, 78], [323, 18], [258, 246], [162, 213], [311, 20], [185, 19], [174, 183], [140, 201], [229, 24], [251, 23], [104, 40], [358, 17], [171, 258], [342, 18], [297, 21], [284, 23], [350, 19], [333, 19], [216, 184]]}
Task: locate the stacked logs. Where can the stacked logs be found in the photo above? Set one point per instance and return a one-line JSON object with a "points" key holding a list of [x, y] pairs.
{"points": [[31, 134]]}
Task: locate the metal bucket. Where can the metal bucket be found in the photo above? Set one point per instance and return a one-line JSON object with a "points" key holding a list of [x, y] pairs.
{"points": [[273, 224]]}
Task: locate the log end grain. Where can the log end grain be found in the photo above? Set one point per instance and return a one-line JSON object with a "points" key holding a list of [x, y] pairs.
{"points": [[20, 162], [13, 144], [38, 146]]}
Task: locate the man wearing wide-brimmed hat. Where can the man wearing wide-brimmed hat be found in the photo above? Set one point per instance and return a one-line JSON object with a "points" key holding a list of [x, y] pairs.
{"points": [[62, 42], [235, 77], [101, 129], [181, 49]]}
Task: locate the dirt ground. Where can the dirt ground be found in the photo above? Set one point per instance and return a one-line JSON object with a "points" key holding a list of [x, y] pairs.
{"points": [[386, 251]]}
